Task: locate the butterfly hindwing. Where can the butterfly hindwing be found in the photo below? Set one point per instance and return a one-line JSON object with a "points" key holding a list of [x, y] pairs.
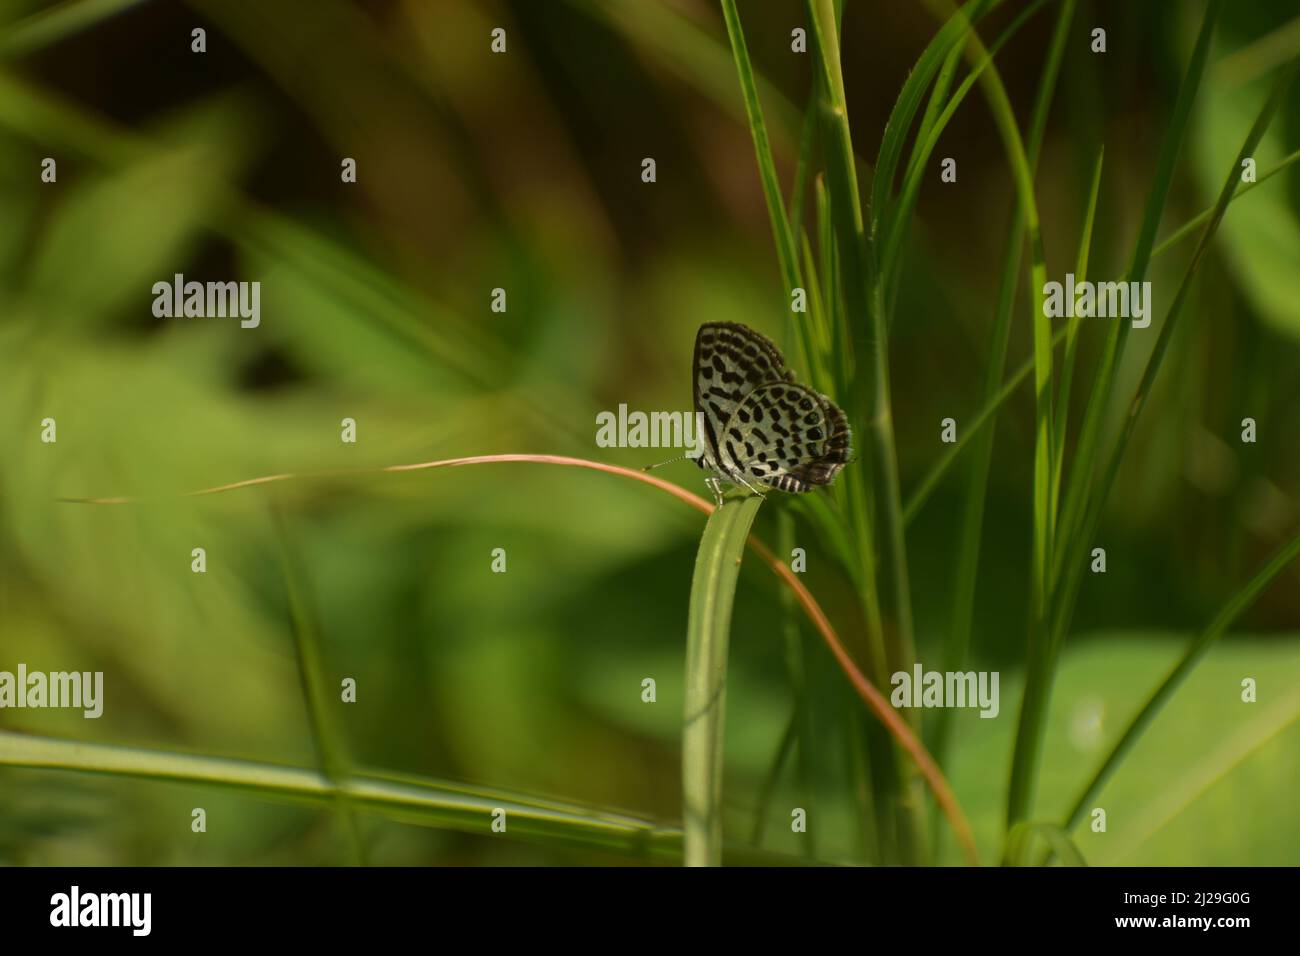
{"points": [[786, 436]]}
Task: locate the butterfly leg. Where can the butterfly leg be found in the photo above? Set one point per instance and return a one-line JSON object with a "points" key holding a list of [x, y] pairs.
{"points": [[742, 480], [715, 486]]}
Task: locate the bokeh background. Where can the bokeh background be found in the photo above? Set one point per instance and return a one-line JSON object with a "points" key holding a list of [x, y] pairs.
{"points": [[522, 171]]}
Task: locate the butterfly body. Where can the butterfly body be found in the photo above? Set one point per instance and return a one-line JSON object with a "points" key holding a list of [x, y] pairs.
{"points": [[762, 428]]}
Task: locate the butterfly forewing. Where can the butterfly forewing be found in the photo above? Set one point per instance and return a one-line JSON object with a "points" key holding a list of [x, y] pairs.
{"points": [[731, 360]]}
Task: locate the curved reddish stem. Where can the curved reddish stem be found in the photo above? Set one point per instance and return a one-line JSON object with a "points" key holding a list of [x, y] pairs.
{"points": [[874, 700]]}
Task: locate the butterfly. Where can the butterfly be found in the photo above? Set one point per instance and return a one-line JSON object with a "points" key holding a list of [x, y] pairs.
{"points": [[760, 426]]}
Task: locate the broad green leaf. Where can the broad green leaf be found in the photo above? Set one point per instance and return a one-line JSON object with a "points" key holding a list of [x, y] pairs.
{"points": [[1178, 799]]}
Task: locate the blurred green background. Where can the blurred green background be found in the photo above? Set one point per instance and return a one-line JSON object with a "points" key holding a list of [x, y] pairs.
{"points": [[522, 171]]}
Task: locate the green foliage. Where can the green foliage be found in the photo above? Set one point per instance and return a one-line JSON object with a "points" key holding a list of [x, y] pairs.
{"points": [[479, 690]]}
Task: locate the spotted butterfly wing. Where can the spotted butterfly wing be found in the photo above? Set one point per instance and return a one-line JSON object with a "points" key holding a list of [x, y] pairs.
{"points": [[759, 426], [786, 436], [731, 360]]}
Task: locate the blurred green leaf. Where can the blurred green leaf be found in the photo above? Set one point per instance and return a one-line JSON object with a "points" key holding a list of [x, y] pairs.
{"points": [[1260, 241], [120, 232], [1181, 799]]}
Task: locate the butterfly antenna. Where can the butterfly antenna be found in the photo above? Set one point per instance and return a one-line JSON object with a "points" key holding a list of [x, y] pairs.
{"points": [[668, 462]]}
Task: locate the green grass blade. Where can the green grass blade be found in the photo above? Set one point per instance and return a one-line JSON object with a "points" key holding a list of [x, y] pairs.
{"points": [[938, 98], [933, 108], [1091, 512], [939, 470], [841, 336], [1046, 617], [816, 328], [796, 649], [831, 524], [713, 591], [1173, 141], [967, 435], [862, 299], [870, 397], [836, 292], [1022, 176], [957, 641], [697, 56], [425, 802], [402, 798], [1259, 57], [328, 743], [807, 146], [1189, 228], [1072, 327], [47, 27], [785, 245], [786, 250], [895, 230], [1097, 502], [1081, 471], [1019, 843], [811, 330], [819, 318], [779, 759], [909, 101]]}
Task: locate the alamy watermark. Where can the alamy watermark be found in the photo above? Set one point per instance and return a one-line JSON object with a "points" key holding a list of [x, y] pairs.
{"points": [[217, 300], [83, 690], [75, 908], [923, 688], [1116, 300], [637, 429]]}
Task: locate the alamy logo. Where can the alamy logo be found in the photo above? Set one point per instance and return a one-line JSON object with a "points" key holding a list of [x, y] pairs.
{"points": [[84, 690], [653, 430], [1116, 300], [946, 689], [74, 908], [214, 300]]}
